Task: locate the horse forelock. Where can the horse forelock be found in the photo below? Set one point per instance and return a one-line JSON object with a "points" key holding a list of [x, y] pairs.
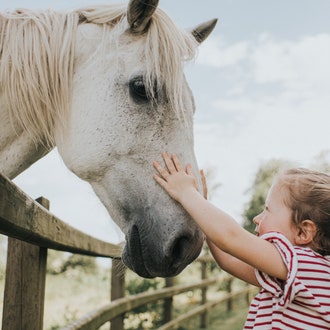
{"points": [[37, 55], [166, 48]]}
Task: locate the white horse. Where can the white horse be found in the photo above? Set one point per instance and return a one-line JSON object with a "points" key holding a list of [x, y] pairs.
{"points": [[106, 86]]}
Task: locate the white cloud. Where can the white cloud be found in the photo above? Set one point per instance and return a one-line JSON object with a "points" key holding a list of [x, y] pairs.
{"points": [[298, 64], [269, 72], [276, 107], [215, 52]]}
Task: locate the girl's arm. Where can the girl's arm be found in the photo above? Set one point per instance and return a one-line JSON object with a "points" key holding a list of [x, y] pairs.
{"points": [[233, 265], [218, 226], [227, 262]]}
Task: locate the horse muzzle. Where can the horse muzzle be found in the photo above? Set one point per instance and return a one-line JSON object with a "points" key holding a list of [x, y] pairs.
{"points": [[152, 256]]}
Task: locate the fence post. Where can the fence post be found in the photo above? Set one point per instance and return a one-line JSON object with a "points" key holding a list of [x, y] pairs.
{"points": [[229, 290], [248, 294], [117, 290], [168, 302], [24, 293], [204, 318]]}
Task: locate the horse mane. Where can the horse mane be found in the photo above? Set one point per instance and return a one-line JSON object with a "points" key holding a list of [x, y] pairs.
{"points": [[37, 58]]}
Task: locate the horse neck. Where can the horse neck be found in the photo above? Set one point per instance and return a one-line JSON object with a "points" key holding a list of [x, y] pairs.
{"points": [[17, 150]]}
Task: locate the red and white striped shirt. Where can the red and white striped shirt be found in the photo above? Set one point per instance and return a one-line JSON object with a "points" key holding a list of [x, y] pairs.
{"points": [[300, 302]]}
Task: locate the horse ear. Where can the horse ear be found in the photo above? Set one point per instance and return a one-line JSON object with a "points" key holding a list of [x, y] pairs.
{"points": [[202, 31], [139, 13]]}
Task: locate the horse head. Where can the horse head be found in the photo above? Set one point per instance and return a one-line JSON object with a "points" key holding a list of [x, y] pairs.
{"points": [[126, 109], [130, 101]]}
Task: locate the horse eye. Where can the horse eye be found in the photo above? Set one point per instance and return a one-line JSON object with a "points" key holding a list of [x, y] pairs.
{"points": [[137, 90]]}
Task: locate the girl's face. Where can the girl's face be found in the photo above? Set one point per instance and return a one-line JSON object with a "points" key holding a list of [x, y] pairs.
{"points": [[276, 216]]}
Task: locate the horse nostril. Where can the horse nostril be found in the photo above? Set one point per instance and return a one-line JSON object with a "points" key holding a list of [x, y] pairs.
{"points": [[135, 238], [179, 249], [134, 243]]}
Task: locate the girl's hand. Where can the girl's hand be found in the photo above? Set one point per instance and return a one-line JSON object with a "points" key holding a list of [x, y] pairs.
{"points": [[174, 179], [201, 172]]}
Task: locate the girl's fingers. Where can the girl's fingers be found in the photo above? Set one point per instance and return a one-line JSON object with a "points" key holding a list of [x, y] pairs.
{"points": [[201, 172], [189, 170], [177, 163], [173, 163], [164, 174], [159, 180], [169, 163]]}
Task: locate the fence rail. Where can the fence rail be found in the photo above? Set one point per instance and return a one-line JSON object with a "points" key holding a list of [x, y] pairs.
{"points": [[32, 230], [25, 219], [120, 306]]}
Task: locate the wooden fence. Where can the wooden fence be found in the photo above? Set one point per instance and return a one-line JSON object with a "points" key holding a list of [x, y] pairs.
{"points": [[32, 230]]}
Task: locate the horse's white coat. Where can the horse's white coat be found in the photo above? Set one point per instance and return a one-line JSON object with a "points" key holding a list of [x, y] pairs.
{"points": [[111, 139]]}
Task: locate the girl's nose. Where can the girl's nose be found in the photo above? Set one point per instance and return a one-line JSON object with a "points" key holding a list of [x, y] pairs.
{"points": [[256, 219]]}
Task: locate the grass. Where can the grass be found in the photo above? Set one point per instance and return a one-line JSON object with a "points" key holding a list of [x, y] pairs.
{"points": [[228, 321], [70, 296], [220, 318], [76, 292]]}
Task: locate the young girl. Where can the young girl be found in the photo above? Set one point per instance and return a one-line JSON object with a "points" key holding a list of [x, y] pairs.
{"points": [[288, 258]]}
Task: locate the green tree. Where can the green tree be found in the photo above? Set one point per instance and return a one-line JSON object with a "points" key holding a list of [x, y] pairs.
{"points": [[321, 161], [259, 189], [148, 316], [212, 187], [59, 262]]}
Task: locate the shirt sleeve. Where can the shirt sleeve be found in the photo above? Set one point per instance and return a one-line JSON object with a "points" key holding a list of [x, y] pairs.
{"points": [[283, 291]]}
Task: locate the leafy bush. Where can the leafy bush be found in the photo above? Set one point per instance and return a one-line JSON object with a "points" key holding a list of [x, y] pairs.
{"points": [[61, 262], [148, 316]]}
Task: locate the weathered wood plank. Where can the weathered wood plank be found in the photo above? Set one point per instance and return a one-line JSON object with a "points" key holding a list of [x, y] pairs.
{"points": [[25, 282], [95, 319], [24, 286], [23, 218], [204, 318], [117, 291], [168, 302]]}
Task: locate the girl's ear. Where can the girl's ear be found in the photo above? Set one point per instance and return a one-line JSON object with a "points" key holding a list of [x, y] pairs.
{"points": [[306, 232]]}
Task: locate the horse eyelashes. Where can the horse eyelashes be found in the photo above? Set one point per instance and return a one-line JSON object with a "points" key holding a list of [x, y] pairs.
{"points": [[140, 93], [137, 90]]}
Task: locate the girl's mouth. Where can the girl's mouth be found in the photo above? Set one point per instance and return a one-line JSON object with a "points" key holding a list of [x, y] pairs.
{"points": [[256, 230]]}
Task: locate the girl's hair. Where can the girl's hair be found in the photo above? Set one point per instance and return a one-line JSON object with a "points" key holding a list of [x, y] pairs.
{"points": [[309, 198]]}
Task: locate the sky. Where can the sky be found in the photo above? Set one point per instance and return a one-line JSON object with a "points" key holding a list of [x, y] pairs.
{"points": [[261, 84]]}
